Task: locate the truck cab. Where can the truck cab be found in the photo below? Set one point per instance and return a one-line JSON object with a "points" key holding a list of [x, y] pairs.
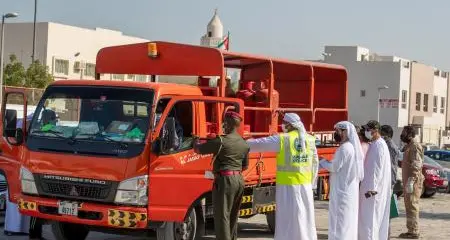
{"points": [[118, 156]]}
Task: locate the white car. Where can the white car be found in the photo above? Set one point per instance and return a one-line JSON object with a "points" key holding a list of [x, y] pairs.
{"points": [[3, 188]]}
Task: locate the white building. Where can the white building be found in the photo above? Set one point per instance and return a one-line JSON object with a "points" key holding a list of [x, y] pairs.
{"points": [[69, 52], [367, 72], [407, 81]]}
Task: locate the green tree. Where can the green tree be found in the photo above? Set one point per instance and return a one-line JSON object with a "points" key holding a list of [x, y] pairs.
{"points": [[14, 72], [38, 76]]}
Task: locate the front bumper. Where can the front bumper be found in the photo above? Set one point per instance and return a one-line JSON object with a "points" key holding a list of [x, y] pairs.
{"points": [[93, 214]]}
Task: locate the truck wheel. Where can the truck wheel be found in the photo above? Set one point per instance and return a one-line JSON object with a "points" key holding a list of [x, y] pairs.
{"points": [[270, 217], [186, 230], [69, 231]]}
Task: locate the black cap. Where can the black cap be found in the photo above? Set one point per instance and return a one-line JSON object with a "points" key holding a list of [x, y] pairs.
{"points": [[372, 125]]}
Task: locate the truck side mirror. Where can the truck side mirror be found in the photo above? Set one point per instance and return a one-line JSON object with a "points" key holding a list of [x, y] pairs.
{"points": [[13, 135], [10, 123]]}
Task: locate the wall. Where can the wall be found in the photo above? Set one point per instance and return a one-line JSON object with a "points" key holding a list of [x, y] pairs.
{"points": [[19, 41], [65, 41], [405, 80], [422, 81]]}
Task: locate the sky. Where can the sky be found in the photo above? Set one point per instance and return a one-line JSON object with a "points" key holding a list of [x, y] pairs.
{"points": [[295, 29]]}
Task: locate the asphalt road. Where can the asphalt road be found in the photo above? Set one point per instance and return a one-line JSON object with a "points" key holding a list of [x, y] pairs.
{"points": [[434, 217]]}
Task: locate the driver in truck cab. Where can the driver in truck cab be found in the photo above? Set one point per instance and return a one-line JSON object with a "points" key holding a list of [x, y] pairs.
{"points": [[230, 159], [171, 134]]}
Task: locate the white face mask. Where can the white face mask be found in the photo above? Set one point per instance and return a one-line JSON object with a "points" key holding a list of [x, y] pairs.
{"points": [[368, 135], [283, 127]]}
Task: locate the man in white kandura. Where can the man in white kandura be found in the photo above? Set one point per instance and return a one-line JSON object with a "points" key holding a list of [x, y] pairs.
{"points": [[297, 168], [375, 191], [346, 171]]}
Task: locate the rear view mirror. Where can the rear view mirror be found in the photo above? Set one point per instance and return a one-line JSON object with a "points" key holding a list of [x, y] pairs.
{"points": [[10, 123]]}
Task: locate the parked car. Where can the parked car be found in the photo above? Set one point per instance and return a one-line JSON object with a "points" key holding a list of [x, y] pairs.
{"points": [[3, 188], [435, 177], [429, 147], [443, 158]]}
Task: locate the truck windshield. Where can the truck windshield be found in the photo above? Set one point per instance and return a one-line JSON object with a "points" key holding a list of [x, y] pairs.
{"points": [[114, 117]]}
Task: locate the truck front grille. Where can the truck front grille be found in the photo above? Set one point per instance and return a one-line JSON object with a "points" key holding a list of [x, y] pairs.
{"points": [[76, 188]]}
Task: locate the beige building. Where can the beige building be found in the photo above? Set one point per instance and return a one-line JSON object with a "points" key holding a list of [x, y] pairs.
{"points": [[428, 97], [416, 94]]}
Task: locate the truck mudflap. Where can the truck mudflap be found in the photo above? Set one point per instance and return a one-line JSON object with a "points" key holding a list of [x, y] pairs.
{"points": [[88, 213], [261, 201], [257, 210]]}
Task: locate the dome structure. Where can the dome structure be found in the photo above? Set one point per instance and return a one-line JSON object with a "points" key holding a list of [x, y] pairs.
{"points": [[215, 27]]}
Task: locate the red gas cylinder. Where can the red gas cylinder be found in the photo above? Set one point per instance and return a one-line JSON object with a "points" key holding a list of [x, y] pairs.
{"points": [[262, 96]]}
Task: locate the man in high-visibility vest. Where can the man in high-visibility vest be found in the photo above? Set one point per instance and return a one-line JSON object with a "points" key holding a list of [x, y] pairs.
{"points": [[297, 168]]}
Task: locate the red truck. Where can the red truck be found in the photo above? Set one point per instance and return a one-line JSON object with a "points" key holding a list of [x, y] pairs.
{"points": [[95, 156]]}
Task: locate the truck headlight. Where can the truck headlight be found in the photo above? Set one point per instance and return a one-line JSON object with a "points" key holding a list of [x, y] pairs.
{"points": [[27, 181], [133, 191]]}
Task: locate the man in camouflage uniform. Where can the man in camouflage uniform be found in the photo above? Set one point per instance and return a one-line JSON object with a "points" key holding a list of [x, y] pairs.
{"points": [[412, 171], [230, 159]]}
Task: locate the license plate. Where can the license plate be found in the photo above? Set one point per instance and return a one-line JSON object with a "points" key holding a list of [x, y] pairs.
{"points": [[68, 208]]}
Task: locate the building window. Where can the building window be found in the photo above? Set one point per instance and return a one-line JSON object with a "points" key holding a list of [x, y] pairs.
{"points": [[141, 78], [437, 73], [435, 104], [444, 74], [62, 66], [118, 77], [442, 105], [418, 101], [209, 34], [130, 76], [425, 102], [89, 70], [404, 98], [363, 93]]}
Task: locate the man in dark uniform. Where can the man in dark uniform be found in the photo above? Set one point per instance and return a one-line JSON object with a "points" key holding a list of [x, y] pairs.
{"points": [[230, 159]]}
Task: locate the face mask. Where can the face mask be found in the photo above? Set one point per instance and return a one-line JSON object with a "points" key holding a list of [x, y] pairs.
{"points": [[283, 127], [368, 135], [337, 137]]}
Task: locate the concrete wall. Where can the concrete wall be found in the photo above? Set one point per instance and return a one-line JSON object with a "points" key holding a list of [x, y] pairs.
{"points": [[405, 81], [65, 41], [58, 41], [19, 41]]}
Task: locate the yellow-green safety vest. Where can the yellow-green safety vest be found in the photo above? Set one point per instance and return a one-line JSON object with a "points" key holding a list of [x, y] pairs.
{"points": [[294, 165]]}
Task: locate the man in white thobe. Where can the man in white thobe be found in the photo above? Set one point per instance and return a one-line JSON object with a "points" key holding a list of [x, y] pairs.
{"points": [[375, 191], [15, 223], [297, 168], [346, 171]]}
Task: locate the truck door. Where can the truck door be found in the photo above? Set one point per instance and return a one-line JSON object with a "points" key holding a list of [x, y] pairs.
{"points": [[13, 131], [177, 173]]}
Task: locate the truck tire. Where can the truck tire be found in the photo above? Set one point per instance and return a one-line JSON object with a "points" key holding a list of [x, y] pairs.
{"points": [[187, 230], [69, 231], [270, 218]]}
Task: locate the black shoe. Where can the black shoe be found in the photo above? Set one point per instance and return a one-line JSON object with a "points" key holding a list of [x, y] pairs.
{"points": [[409, 235]]}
